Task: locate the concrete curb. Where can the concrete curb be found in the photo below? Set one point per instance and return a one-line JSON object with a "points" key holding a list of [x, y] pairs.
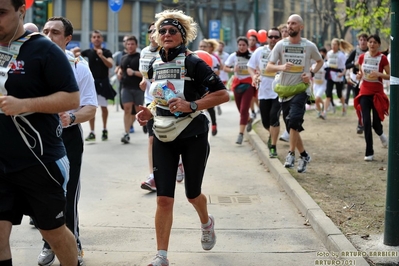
{"points": [[332, 238]]}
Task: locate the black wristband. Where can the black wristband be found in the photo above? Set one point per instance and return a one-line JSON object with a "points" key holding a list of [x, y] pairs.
{"points": [[312, 74]]}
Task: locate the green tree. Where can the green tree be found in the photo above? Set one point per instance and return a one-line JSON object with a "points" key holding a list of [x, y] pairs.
{"points": [[371, 16]]}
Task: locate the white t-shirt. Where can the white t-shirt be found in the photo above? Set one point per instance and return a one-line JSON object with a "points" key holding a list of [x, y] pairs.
{"points": [[224, 76], [259, 61], [145, 58], [336, 61], [241, 62], [84, 79]]}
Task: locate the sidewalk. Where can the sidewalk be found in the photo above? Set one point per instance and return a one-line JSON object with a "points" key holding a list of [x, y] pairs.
{"points": [[262, 216]]}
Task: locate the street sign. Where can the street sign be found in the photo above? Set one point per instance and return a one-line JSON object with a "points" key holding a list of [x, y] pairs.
{"points": [[214, 29], [115, 5]]}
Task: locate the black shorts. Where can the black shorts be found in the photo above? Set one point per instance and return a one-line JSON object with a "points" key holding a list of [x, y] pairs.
{"points": [[194, 152], [294, 111], [149, 126], [270, 110], [34, 192]]}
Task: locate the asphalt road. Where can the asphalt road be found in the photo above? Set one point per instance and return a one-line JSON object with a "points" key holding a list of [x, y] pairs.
{"points": [[256, 221]]}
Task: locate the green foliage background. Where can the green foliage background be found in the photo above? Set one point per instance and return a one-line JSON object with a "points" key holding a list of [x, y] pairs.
{"points": [[370, 16]]}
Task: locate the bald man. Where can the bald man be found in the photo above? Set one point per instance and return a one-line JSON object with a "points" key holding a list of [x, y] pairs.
{"points": [[31, 27], [295, 54]]}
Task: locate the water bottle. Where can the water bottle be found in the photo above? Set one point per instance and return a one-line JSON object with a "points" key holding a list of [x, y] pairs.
{"points": [[169, 94]]}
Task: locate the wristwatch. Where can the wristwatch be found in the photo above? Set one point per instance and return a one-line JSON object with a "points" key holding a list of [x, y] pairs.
{"points": [[72, 117], [193, 106]]}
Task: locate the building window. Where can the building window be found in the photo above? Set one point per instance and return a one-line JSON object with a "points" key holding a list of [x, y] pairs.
{"points": [[100, 17], [74, 13]]}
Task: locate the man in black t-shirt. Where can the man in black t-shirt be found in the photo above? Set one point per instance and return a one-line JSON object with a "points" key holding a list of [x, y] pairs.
{"points": [[36, 84], [130, 76], [100, 61]]}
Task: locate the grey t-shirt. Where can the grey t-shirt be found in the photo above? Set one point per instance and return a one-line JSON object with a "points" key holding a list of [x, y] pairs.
{"points": [[298, 54]]}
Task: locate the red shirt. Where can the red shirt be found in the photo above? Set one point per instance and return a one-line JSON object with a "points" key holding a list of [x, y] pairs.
{"points": [[367, 87], [380, 100]]}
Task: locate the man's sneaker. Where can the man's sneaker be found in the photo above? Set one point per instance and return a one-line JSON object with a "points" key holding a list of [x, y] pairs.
{"points": [[214, 130], [303, 162], [208, 238], [149, 185], [384, 140], [91, 137], [359, 129], [46, 257], [249, 125], [159, 260], [239, 139], [289, 160], [273, 153], [344, 110], [125, 139], [105, 135], [285, 136], [80, 256], [323, 116], [269, 142], [219, 110], [180, 173], [369, 158]]}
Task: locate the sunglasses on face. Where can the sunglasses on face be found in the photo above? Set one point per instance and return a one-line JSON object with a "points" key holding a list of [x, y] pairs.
{"points": [[151, 31], [171, 31], [273, 37]]}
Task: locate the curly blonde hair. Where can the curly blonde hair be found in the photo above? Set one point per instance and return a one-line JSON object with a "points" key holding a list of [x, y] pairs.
{"points": [[188, 23], [213, 43]]}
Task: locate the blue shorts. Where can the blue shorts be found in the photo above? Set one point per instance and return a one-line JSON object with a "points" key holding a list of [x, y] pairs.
{"points": [[37, 193]]}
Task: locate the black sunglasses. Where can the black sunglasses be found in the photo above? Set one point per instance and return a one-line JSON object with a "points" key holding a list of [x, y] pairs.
{"points": [[273, 37], [171, 31], [151, 31]]}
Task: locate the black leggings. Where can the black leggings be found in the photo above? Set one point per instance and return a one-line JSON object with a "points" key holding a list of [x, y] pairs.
{"points": [[194, 152], [338, 87], [367, 105], [350, 88], [270, 112], [212, 114], [72, 137]]}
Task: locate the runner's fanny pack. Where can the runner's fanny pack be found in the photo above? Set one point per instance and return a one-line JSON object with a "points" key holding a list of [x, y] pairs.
{"points": [[290, 90], [167, 128]]}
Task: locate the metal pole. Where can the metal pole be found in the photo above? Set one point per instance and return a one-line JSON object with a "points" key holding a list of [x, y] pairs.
{"points": [[256, 15], [391, 234], [116, 45]]}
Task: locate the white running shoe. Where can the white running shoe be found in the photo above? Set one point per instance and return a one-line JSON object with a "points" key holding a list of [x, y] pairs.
{"points": [[285, 136], [208, 238], [180, 172], [46, 257], [369, 158], [384, 140]]}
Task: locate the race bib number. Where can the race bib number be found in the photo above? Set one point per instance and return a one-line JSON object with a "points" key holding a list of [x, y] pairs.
{"points": [[294, 54]]}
